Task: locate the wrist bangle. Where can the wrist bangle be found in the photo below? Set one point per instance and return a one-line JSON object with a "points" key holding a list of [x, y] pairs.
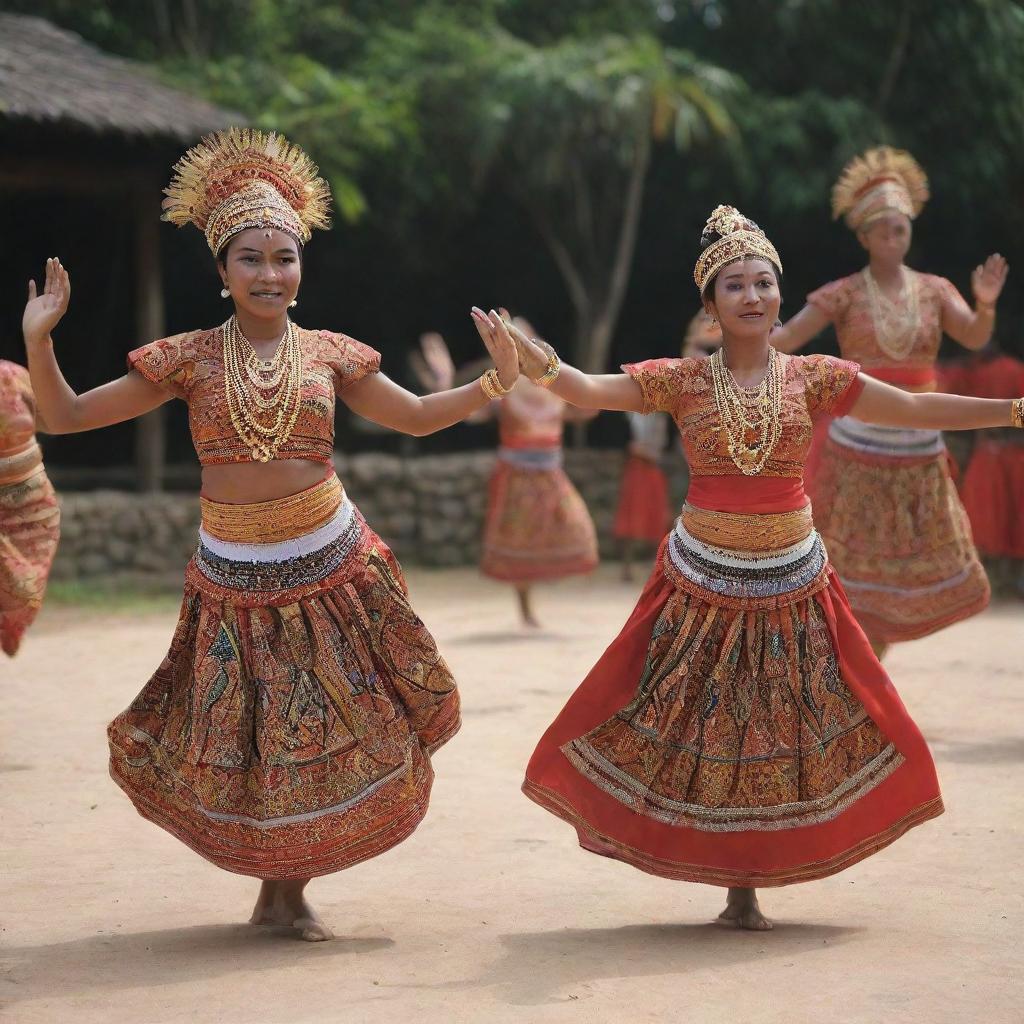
{"points": [[550, 375], [1017, 413], [490, 384]]}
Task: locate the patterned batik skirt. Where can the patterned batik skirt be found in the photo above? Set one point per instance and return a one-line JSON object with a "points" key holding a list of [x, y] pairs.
{"points": [[739, 731], [538, 527], [993, 495], [29, 532], [643, 512], [897, 534], [287, 733]]}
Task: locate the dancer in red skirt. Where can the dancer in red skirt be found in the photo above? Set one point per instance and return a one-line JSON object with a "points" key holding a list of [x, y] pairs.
{"points": [[993, 484], [537, 528], [740, 731]]}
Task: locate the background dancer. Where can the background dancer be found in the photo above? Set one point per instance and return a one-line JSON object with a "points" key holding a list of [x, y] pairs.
{"points": [[29, 514], [886, 504]]}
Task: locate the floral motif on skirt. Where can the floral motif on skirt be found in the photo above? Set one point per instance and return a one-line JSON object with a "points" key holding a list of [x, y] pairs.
{"points": [[287, 733]]}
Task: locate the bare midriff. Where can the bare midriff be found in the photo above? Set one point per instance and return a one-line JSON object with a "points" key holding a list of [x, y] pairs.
{"points": [[240, 483]]}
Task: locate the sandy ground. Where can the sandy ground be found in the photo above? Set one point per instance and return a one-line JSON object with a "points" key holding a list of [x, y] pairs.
{"points": [[490, 912]]}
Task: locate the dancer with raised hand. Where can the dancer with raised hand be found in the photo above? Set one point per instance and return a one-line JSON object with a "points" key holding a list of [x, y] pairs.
{"points": [[537, 527], [29, 514], [288, 732], [740, 730], [885, 502]]}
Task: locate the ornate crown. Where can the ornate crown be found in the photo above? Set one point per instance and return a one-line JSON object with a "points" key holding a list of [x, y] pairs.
{"points": [[879, 180], [740, 239], [244, 178]]}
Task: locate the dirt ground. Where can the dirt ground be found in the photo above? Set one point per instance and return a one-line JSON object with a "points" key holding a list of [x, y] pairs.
{"points": [[490, 912]]}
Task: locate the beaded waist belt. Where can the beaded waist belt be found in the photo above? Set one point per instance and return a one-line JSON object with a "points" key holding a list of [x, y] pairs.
{"points": [[892, 442], [267, 522], [282, 565], [769, 564], [532, 458], [17, 467]]}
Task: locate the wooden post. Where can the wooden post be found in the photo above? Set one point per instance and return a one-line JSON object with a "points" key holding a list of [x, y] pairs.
{"points": [[149, 325]]}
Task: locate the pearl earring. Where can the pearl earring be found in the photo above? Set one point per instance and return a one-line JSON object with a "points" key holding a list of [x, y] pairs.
{"points": [[293, 303], [225, 294]]}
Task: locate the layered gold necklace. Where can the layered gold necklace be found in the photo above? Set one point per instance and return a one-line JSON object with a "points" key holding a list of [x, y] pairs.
{"points": [[263, 395], [896, 322], [751, 417]]}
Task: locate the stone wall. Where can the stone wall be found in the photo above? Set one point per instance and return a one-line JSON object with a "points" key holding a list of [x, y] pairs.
{"points": [[430, 509]]}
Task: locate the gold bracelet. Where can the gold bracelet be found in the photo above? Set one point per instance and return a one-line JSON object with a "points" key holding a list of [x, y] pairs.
{"points": [[491, 385], [1017, 413], [550, 375]]}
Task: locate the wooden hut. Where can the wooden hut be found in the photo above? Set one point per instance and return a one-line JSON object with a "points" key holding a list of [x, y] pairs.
{"points": [[77, 127]]}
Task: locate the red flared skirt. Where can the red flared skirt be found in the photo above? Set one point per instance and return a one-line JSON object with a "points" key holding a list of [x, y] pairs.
{"points": [[993, 494], [643, 512], [673, 757]]}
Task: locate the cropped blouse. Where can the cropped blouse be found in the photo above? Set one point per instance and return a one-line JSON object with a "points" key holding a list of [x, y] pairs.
{"points": [[683, 388], [191, 367]]}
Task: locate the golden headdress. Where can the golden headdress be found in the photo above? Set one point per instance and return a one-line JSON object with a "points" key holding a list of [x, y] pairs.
{"points": [[876, 182], [739, 238], [244, 178]]}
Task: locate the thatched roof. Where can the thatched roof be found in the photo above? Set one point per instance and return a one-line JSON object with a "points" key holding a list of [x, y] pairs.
{"points": [[49, 75]]}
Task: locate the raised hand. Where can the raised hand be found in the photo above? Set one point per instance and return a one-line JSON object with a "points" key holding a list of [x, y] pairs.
{"points": [[499, 343], [988, 279], [432, 363], [44, 310], [533, 354]]}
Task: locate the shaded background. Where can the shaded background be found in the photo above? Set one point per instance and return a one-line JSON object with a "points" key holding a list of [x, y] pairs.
{"points": [[464, 141]]}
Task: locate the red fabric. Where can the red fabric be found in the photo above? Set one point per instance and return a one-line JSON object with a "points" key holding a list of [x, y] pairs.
{"points": [[749, 495], [604, 825], [813, 464], [643, 512], [993, 494]]}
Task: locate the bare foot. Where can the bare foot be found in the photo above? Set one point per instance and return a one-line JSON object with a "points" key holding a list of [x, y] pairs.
{"points": [[742, 911], [283, 904]]}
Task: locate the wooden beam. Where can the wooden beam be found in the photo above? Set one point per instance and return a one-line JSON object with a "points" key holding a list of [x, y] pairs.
{"points": [[149, 325], [34, 174]]}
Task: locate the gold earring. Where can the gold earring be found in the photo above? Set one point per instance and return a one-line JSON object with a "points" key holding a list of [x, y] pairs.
{"points": [[225, 294], [293, 303]]}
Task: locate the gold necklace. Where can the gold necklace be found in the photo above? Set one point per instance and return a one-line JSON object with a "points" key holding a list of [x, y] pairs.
{"points": [[751, 417], [896, 322], [263, 395]]}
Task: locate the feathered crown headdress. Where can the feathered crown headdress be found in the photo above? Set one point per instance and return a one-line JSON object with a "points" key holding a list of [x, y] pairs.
{"points": [[739, 238], [877, 181], [244, 178]]}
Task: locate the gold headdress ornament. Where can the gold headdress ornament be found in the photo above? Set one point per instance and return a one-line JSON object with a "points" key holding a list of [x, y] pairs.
{"points": [[876, 182], [243, 178], [740, 239]]}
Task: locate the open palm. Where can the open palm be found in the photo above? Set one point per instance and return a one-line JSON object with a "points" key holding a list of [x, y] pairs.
{"points": [[44, 309], [988, 279]]}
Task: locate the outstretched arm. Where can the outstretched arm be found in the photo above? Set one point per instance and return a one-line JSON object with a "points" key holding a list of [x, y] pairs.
{"points": [[59, 409], [378, 398], [888, 406], [798, 331], [585, 390]]}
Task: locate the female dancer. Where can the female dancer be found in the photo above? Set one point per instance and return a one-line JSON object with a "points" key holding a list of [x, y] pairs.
{"points": [[740, 731], [643, 511], [993, 483], [537, 526], [287, 733], [29, 515], [886, 504]]}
